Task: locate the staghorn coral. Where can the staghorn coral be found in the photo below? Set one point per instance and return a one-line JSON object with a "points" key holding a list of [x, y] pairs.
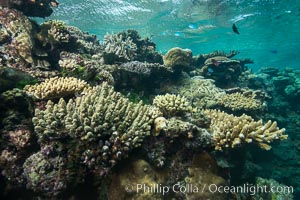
{"points": [[229, 131], [172, 105], [239, 102], [178, 58], [55, 88], [116, 46]]}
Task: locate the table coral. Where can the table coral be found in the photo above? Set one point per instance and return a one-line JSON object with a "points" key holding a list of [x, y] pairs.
{"points": [[55, 88], [230, 131]]}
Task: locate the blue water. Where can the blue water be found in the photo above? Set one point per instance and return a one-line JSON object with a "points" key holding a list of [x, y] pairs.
{"points": [[268, 29]]}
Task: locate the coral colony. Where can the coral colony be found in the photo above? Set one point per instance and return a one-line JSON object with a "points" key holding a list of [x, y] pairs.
{"points": [[79, 116]]}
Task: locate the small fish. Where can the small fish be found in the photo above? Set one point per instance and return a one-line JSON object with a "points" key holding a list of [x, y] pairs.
{"points": [[215, 62], [210, 70], [235, 29], [274, 51]]}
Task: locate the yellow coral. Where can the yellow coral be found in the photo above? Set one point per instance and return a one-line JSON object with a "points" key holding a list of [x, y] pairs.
{"points": [[171, 105], [237, 101], [230, 131], [56, 87]]}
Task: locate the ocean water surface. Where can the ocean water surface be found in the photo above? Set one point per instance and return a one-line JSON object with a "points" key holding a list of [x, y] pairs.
{"points": [[269, 29]]}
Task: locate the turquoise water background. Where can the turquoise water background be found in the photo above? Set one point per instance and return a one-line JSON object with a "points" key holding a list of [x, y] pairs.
{"points": [[269, 29]]}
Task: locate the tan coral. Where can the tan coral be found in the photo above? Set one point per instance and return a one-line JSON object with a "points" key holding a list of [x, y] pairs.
{"points": [[56, 87], [172, 105], [69, 64], [230, 131], [203, 93], [98, 112], [178, 57], [237, 102]]}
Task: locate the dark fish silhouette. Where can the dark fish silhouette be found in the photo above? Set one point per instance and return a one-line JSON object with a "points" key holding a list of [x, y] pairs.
{"points": [[235, 29]]}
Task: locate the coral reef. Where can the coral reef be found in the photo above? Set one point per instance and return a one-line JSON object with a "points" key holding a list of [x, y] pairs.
{"points": [[40, 8], [284, 192], [223, 70], [55, 88], [201, 173], [95, 140], [230, 131], [101, 118], [172, 105], [19, 28], [240, 102], [202, 93], [125, 182], [146, 49], [118, 47], [142, 68], [177, 58]]}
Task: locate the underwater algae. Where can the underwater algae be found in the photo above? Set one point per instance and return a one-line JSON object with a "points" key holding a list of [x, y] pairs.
{"points": [[77, 134]]}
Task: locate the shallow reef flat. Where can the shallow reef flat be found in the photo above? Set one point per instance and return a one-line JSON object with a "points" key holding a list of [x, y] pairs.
{"points": [[116, 119]]}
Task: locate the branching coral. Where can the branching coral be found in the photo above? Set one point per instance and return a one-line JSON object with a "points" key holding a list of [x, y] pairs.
{"points": [[119, 46], [239, 102], [55, 88], [230, 131], [107, 123], [53, 32], [142, 67], [172, 105], [202, 93]]}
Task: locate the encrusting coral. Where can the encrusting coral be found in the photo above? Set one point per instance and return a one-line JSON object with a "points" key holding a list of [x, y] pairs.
{"points": [[229, 131], [55, 88], [172, 105]]}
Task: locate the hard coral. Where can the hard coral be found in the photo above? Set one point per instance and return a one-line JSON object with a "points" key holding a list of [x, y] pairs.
{"points": [[177, 58], [239, 102], [55, 88], [117, 46], [172, 105], [230, 131], [101, 119]]}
